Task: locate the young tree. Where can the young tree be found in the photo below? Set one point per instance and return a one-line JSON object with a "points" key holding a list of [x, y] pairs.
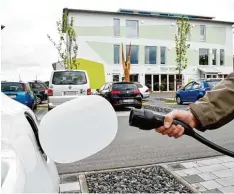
{"points": [[183, 30], [67, 47], [126, 64]]}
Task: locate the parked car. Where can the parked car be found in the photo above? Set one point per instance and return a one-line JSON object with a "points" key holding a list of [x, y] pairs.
{"points": [[145, 91], [19, 91], [40, 90], [121, 94], [195, 90], [28, 157], [65, 85]]}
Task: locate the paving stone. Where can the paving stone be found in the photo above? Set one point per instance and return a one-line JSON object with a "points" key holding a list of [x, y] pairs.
{"points": [[229, 164], [181, 173], [207, 162], [69, 179], [224, 173], [199, 187], [176, 166], [210, 185], [191, 171], [226, 181], [227, 189], [189, 164], [207, 176], [226, 159], [212, 191], [193, 179], [69, 187], [211, 168]]}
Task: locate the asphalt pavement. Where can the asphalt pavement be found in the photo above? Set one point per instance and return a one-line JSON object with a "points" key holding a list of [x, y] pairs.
{"points": [[133, 147]]}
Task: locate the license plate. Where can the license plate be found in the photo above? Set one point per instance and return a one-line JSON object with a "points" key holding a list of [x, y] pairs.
{"points": [[129, 100], [12, 96], [70, 93]]}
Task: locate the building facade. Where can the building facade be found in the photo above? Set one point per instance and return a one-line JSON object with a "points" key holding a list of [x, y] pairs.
{"points": [[100, 35]]}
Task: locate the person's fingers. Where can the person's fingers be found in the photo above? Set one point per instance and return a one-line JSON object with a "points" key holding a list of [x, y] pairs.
{"points": [[175, 131], [160, 129], [168, 120], [180, 133], [169, 130]]}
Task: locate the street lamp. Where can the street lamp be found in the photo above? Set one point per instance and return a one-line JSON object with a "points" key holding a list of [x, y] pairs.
{"points": [[2, 26]]}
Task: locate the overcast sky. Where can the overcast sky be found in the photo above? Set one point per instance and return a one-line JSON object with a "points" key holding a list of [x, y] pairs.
{"points": [[25, 49]]}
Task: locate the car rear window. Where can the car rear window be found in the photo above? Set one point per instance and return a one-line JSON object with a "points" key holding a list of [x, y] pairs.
{"points": [[69, 78], [139, 85], [213, 83], [37, 86], [12, 87], [124, 86]]}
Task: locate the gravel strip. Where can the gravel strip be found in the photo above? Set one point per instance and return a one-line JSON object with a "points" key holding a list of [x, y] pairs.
{"points": [[139, 180]]}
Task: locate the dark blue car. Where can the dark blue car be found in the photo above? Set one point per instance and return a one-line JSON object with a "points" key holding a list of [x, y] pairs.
{"points": [[20, 92], [195, 90]]}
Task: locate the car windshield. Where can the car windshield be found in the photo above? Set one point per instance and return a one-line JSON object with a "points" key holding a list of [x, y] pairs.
{"points": [[69, 78], [124, 86], [12, 87], [213, 83]]}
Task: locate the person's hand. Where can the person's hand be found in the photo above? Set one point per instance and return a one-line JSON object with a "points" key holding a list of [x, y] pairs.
{"points": [[173, 130]]}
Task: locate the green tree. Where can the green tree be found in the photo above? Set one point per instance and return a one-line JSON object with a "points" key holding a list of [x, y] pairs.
{"points": [[67, 47], [183, 30]]}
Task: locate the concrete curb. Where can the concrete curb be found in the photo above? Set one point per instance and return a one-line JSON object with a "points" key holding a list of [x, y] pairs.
{"points": [[83, 184], [180, 179], [157, 108], [42, 105]]}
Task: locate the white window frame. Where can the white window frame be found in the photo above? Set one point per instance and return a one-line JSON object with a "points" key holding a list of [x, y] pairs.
{"points": [[203, 36], [116, 29], [129, 35]]}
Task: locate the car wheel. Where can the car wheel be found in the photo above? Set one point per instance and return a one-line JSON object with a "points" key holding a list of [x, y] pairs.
{"points": [[178, 100], [39, 99]]}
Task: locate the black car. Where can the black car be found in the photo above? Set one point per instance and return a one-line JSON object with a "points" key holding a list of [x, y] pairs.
{"points": [[121, 94], [40, 90]]}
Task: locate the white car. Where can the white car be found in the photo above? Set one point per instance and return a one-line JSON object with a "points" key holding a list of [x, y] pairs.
{"points": [[65, 85], [29, 151], [145, 91]]}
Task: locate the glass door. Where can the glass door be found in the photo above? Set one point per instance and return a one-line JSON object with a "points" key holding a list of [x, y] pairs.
{"points": [[155, 82], [148, 81], [171, 83]]}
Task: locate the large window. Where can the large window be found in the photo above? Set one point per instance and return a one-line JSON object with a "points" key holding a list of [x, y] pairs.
{"points": [[203, 56], [214, 55], [202, 32], [116, 54], [150, 54], [162, 55], [116, 27], [132, 29], [134, 53], [222, 54]]}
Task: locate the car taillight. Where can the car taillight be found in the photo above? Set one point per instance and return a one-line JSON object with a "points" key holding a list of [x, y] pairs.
{"points": [[25, 87], [50, 92], [115, 92], [147, 90], [137, 92], [89, 91]]}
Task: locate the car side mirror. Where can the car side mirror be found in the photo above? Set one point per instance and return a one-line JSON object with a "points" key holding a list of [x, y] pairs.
{"points": [[77, 129]]}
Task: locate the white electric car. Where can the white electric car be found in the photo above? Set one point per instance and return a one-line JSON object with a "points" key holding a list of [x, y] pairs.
{"points": [[29, 150]]}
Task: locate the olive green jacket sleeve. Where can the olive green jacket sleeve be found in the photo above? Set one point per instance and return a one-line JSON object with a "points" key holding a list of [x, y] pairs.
{"points": [[216, 108]]}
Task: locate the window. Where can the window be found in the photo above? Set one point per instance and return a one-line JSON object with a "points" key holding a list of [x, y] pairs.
{"points": [[203, 56], [196, 86], [202, 32], [188, 86], [12, 87], [69, 78], [134, 53], [214, 55], [116, 54], [115, 78], [162, 55], [116, 27], [221, 56], [102, 88], [139, 85], [132, 28], [150, 54]]}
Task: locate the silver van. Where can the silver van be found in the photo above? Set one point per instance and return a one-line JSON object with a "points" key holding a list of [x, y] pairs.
{"points": [[65, 85]]}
